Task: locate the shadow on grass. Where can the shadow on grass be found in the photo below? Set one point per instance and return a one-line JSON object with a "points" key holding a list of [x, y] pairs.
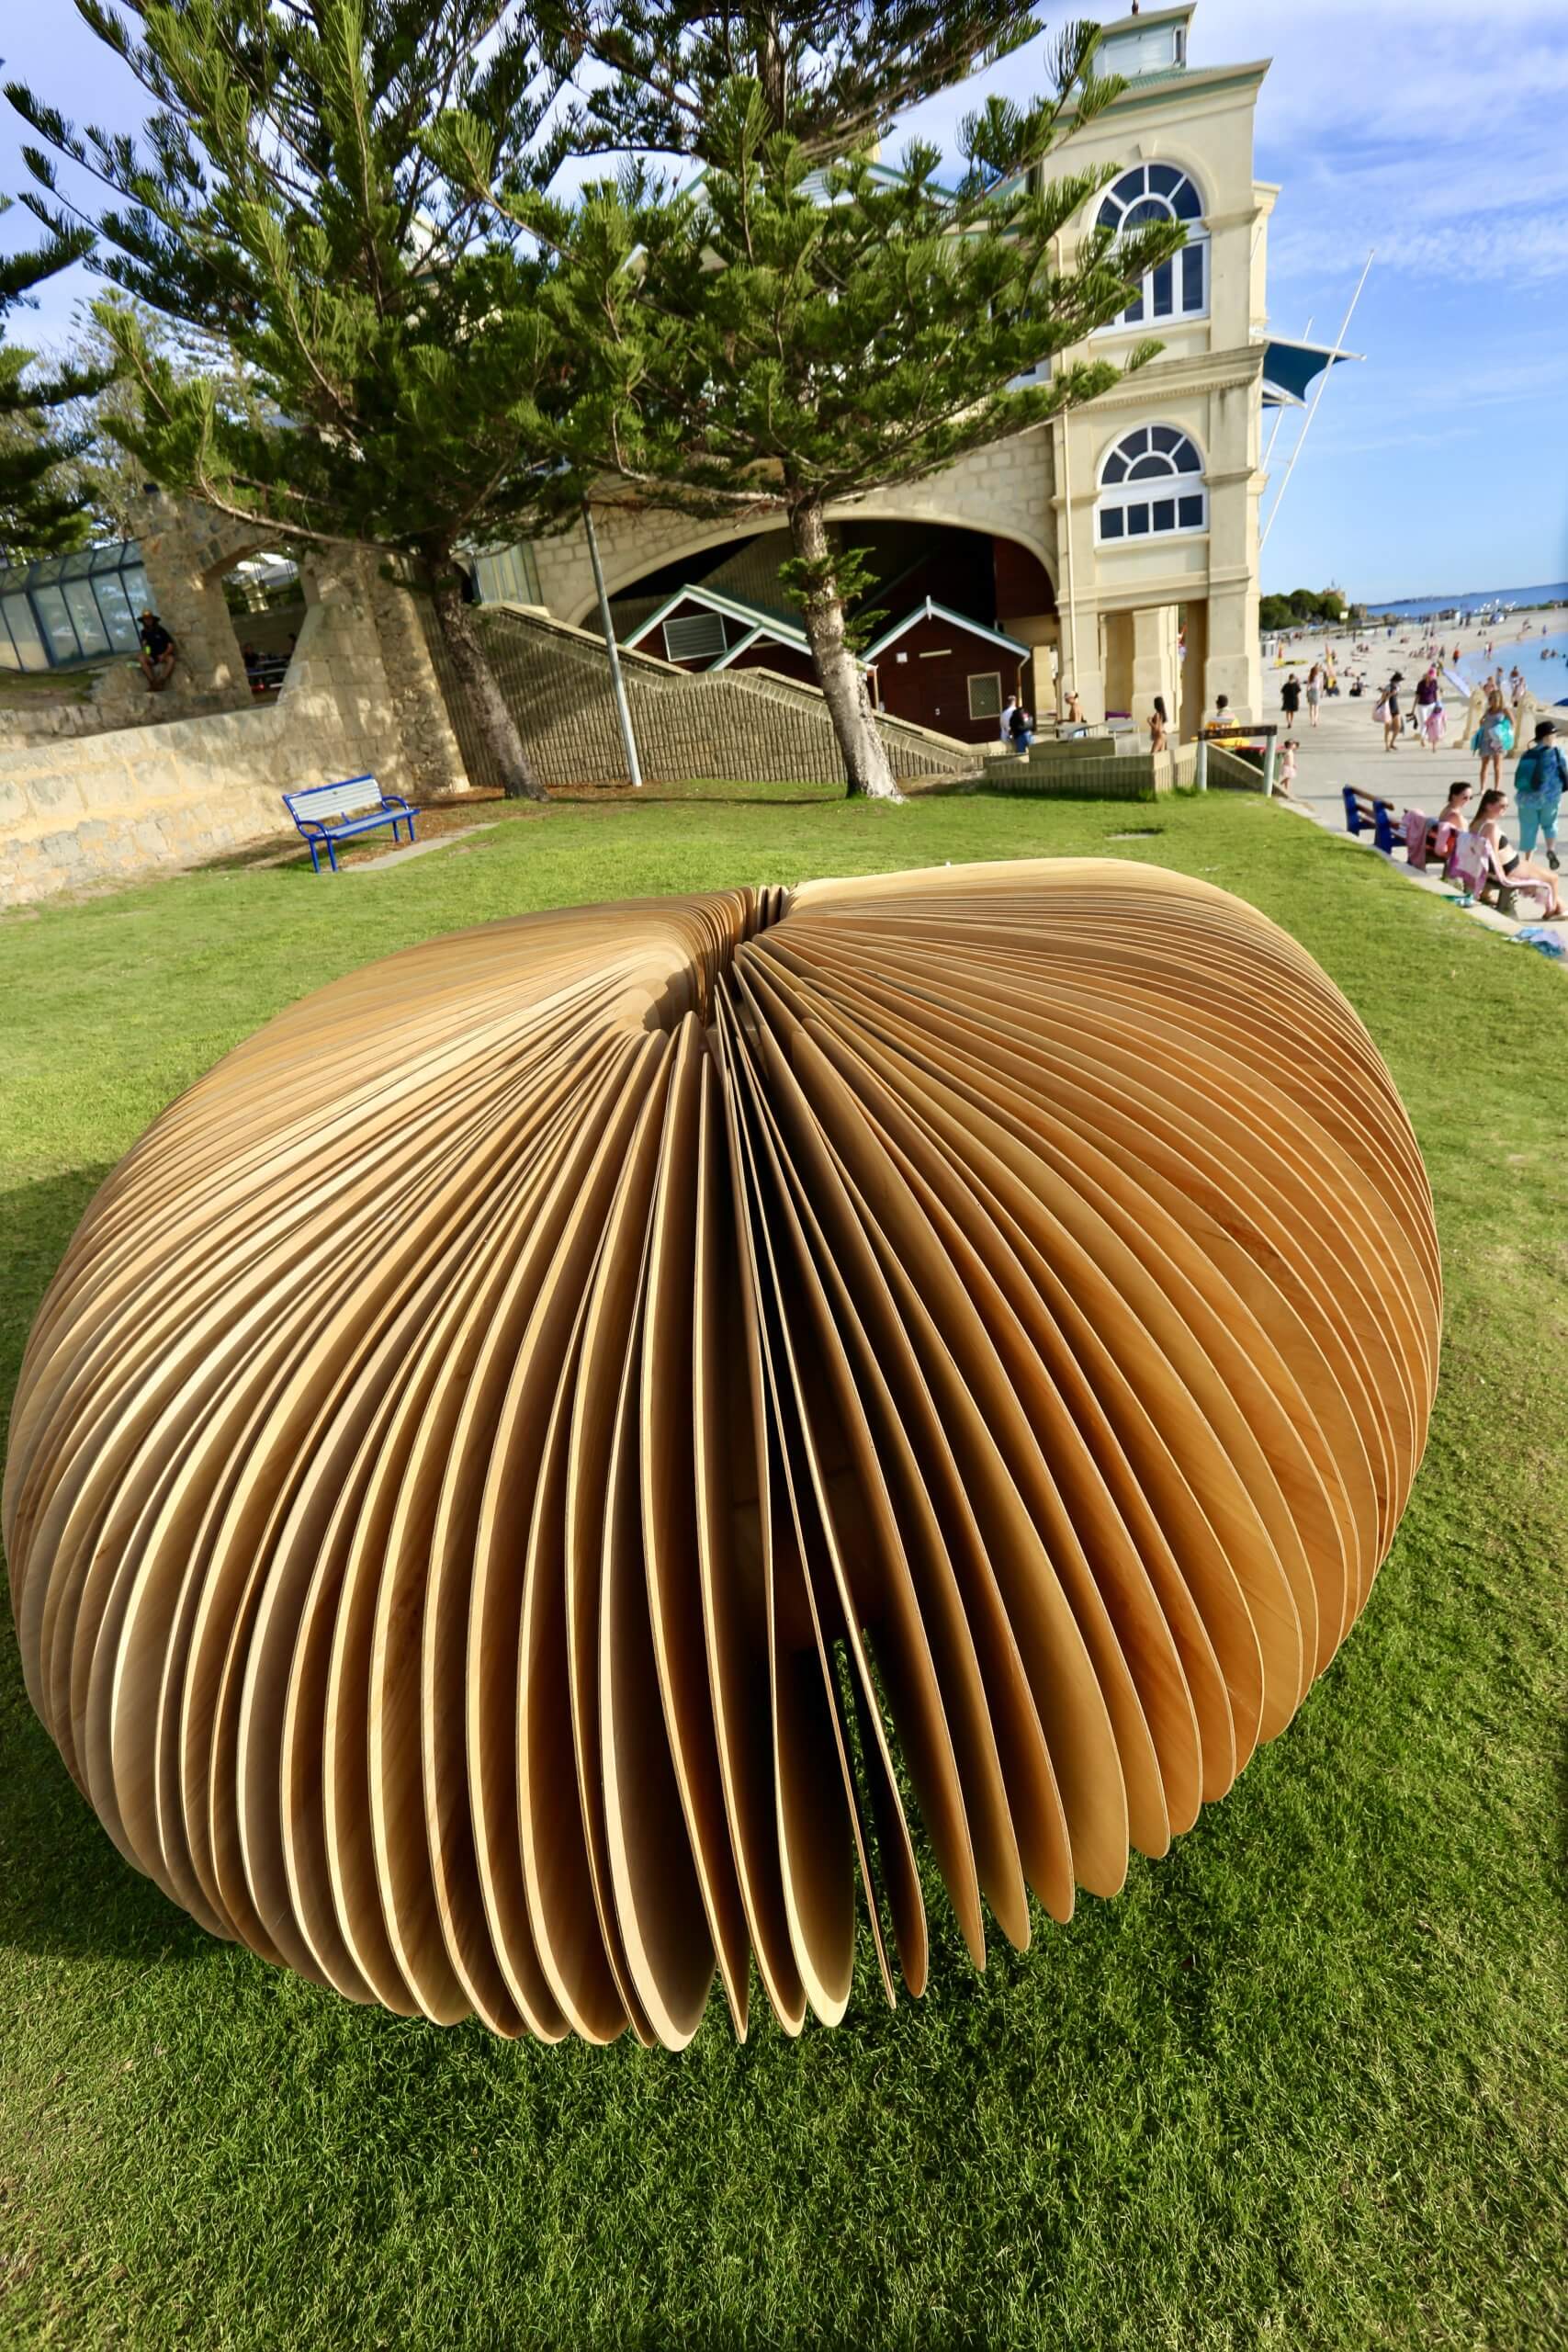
{"points": [[64, 1889]]}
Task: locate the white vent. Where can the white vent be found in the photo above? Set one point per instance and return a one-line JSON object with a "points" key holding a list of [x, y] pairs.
{"points": [[694, 637]]}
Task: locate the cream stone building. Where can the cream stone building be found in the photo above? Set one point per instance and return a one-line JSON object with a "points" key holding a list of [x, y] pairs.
{"points": [[1122, 538]]}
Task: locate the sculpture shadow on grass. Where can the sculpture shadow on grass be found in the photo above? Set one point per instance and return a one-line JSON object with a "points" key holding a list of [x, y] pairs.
{"points": [[64, 1890]]}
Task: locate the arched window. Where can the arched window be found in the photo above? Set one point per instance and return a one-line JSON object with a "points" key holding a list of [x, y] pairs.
{"points": [[1152, 482], [1179, 288]]}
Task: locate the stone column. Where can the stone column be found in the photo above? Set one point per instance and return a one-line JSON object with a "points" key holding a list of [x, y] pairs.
{"points": [[1233, 666], [433, 761], [186, 550], [1154, 663]]}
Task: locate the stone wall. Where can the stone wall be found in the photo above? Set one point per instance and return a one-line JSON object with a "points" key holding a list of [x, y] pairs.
{"points": [[1008, 489], [122, 804], [1107, 776], [747, 725]]}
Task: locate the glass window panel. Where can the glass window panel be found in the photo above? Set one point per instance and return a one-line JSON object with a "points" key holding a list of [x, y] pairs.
{"points": [[1163, 436], [1115, 466], [1163, 179], [1137, 520], [110, 558], [1147, 210], [1186, 458], [91, 634], [985, 695], [1112, 523], [1164, 513], [130, 554], [1186, 203], [9, 657], [54, 619], [1150, 469], [136, 589], [118, 618], [1164, 290], [1192, 276], [49, 568], [1111, 212], [1133, 311], [1190, 511], [30, 648]]}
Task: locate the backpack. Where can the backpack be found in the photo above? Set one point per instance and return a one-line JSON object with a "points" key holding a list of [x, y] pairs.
{"points": [[1541, 769]]}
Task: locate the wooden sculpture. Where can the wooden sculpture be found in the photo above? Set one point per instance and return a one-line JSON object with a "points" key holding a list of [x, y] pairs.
{"points": [[528, 1468]]}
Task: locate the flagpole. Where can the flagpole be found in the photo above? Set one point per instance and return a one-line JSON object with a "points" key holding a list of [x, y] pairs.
{"points": [[1307, 428]]}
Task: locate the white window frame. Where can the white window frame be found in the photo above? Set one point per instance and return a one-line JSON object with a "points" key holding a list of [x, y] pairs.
{"points": [[1119, 497], [985, 677], [1181, 313]]}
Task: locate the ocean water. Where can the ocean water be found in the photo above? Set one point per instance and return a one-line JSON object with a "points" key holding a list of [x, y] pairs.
{"points": [[1545, 661], [1555, 592]]}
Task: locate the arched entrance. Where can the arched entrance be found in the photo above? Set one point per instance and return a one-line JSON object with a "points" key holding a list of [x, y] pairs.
{"points": [[967, 617]]}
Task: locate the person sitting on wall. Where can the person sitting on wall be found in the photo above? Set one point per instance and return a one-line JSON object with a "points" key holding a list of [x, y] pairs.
{"points": [[1222, 722], [1074, 708], [1006, 721], [1022, 728], [158, 652]]}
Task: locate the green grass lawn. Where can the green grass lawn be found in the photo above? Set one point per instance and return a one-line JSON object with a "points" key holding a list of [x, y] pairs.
{"points": [[1301, 2084]]}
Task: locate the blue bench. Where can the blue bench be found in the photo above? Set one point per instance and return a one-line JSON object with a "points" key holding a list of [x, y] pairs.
{"points": [[1364, 812], [335, 812]]}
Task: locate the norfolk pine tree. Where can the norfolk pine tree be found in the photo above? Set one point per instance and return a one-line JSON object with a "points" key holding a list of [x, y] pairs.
{"points": [[280, 199], [749, 345], [39, 512]]}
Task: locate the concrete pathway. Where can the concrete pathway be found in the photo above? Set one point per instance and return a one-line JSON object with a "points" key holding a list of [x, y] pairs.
{"points": [[1347, 748], [415, 849]]}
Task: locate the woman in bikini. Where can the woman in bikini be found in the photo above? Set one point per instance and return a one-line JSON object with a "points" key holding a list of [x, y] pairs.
{"points": [[1512, 864]]}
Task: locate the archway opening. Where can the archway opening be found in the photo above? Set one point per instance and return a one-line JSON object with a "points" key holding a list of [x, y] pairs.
{"points": [[958, 620]]}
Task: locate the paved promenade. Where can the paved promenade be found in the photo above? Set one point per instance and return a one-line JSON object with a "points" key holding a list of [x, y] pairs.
{"points": [[1347, 748]]}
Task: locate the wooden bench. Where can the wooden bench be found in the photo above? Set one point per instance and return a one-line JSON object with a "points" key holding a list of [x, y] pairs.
{"points": [[1364, 812], [336, 812]]}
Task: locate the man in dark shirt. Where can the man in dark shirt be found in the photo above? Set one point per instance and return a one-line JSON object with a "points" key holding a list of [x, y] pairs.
{"points": [[158, 652]]}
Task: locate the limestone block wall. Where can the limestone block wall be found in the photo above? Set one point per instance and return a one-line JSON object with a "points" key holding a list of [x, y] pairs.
{"points": [[1008, 489], [1128, 775], [125, 803]]}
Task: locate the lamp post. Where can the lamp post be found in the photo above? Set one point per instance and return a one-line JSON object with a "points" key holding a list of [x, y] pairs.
{"points": [[618, 684]]}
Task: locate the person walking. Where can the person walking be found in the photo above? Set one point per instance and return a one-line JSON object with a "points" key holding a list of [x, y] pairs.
{"points": [[1290, 697], [1157, 726], [1540, 779], [1313, 691], [1388, 711], [1493, 738], [1429, 716]]}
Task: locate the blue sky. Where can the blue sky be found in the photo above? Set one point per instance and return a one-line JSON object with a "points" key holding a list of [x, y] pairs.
{"points": [[1432, 132]]}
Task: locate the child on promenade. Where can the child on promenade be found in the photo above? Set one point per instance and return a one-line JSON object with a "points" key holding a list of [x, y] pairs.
{"points": [[1286, 774]]}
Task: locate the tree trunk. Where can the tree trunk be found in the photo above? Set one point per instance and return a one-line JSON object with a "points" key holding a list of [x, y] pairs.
{"points": [[478, 680], [838, 675]]}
